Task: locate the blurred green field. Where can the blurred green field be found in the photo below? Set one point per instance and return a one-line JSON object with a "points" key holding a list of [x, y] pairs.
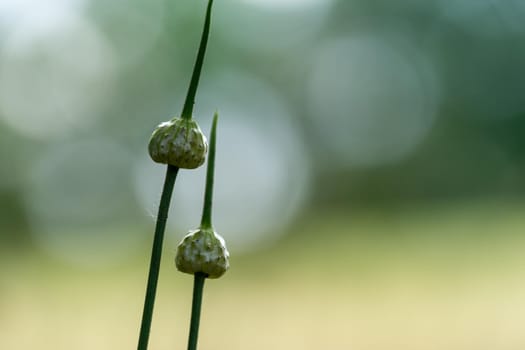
{"points": [[435, 277]]}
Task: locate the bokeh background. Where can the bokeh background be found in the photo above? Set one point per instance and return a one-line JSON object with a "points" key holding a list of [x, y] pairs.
{"points": [[370, 177]]}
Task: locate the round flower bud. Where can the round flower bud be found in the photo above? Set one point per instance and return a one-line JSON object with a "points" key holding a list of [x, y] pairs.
{"points": [[204, 251], [178, 142]]}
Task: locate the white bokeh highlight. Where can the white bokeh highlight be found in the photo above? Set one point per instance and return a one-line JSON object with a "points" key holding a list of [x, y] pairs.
{"points": [[372, 100], [35, 12], [56, 74]]}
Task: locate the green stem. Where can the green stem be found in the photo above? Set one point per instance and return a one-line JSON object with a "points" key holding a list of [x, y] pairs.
{"points": [[208, 192], [156, 253], [187, 111], [198, 286]]}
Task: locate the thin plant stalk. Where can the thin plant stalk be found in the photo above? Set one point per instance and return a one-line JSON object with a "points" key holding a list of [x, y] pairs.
{"points": [[187, 110], [169, 183], [198, 284], [210, 176], [156, 253]]}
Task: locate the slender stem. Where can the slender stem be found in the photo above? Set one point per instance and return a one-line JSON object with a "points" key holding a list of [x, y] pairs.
{"points": [[208, 192], [198, 286], [187, 111], [156, 252]]}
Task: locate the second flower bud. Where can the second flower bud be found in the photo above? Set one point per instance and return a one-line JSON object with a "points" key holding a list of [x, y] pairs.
{"points": [[203, 251]]}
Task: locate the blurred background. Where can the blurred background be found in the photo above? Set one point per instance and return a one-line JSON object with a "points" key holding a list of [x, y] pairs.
{"points": [[369, 180]]}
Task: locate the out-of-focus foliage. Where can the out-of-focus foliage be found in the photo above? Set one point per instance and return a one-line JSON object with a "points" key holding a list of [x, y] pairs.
{"points": [[369, 177], [325, 103]]}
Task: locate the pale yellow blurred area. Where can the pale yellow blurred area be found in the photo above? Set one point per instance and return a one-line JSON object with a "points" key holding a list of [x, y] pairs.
{"points": [[363, 281]]}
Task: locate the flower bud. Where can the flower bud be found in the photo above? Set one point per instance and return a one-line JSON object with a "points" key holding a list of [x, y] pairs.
{"points": [[178, 142], [204, 251]]}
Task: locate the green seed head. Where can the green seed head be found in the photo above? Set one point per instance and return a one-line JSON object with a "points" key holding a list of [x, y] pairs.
{"points": [[178, 142], [204, 251]]}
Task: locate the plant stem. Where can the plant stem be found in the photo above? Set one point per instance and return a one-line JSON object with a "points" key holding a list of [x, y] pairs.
{"points": [[198, 286], [208, 192], [156, 253], [187, 111]]}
